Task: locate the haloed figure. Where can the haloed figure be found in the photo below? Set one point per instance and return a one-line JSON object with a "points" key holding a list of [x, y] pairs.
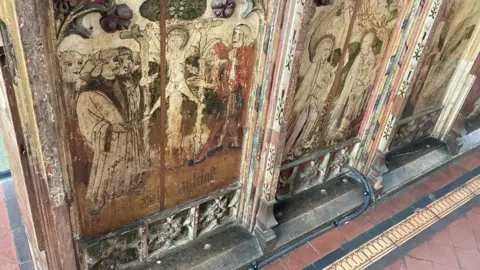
{"points": [[358, 84], [310, 97]]}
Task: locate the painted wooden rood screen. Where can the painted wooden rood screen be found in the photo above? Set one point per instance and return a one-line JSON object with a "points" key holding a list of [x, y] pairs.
{"points": [[143, 126]]}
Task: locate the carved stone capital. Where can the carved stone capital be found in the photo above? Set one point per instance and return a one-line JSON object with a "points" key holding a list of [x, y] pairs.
{"points": [[264, 224]]}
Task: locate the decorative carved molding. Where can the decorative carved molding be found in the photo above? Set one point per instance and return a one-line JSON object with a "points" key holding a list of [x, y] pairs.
{"points": [[69, 15], [312, 172], [216, 212], [223, 8], [114, 253], [171, 232], [414, 128], [158, 234]]}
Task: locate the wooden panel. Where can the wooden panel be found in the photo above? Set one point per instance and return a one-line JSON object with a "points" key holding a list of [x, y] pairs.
{"points": [[452, 31], [130, 154], [211, 67], [344, 49]]}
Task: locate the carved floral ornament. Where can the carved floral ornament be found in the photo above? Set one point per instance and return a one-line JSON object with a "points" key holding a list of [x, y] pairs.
{"points": [[223, 8], [69, 14]]}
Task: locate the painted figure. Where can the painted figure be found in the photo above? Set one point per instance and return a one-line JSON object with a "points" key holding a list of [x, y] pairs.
{"points": [[460, 19], [310, 98], [109, 114], [353, 99], [177, 49], [232, 87]]}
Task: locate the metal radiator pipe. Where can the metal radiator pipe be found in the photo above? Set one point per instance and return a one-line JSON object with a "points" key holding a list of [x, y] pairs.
{"points": [[368, 193]]}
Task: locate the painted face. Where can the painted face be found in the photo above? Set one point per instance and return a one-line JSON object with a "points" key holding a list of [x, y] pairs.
{"points": [[174, 43], [237, 38], [367, 42], [324, 49], [71, 65], [126, 63], [111, 68], [382, 10]]}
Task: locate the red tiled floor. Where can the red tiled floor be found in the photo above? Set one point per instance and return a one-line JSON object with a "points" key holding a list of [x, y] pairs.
{"points": [[468, 259], [276, 265], [475, 210], [421, 252], [470, 162], [445, 177], [2, 194], [442, 254], [462, 222], [474, 219], [400, 202], [380, 213], [443, 267], [4, 221], [419, 191], [455, 247], [355, 228], [8, 255], [416, 264], [399, 265], [462, 237], [442, 237], [328, 242], [300, 257], [476, 233]]}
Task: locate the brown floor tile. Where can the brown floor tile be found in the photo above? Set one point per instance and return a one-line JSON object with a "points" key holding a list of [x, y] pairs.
{"points": [[7, 247], [355, 228], [443, 267], [328, 242], [300, 257], [398, 265], [421, 252], [2, 194], [416, 264], [380, 213], [419, 191], [4, 221], [8, 265], [442, 254], [455, 171], [400, 202], [475, 210], [468, 259], [442, 237], [275, 265], [470, 162], [462, 238], [445, 177], [474, 219], [462, 222], [476, 233]]}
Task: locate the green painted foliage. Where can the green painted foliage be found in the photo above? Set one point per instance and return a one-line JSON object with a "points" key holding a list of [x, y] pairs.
{"points": [[176, 9]]}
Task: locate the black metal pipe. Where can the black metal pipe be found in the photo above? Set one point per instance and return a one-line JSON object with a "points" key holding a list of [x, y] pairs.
{"points": [[368, 193]]}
